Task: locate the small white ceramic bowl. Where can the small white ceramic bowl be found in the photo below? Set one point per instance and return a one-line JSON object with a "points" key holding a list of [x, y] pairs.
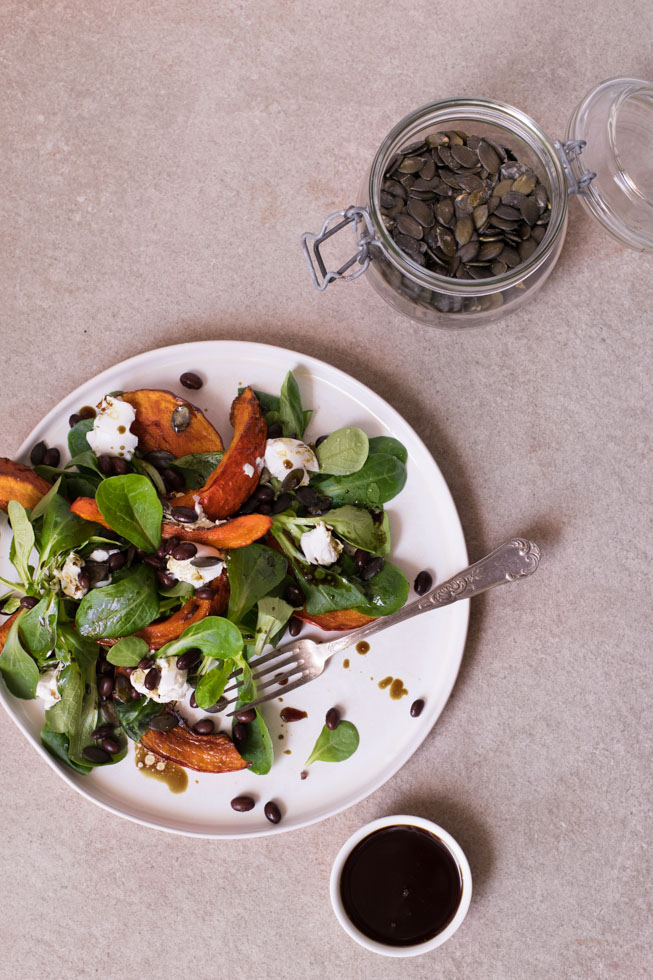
{"points": [[456, 852]]}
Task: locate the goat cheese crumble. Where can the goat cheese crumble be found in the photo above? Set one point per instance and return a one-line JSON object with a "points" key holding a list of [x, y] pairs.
{"points": [[111, 435], [172, 686], [185, 571], [69, 574], [284, 455], [319, 545]]}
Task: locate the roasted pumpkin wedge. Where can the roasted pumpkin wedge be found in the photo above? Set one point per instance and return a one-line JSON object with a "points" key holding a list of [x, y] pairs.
{"points": [[87, 508], [6, 626], [189, 432], [21, 483], [203, 753], [236, 533], [193, 610], [341, 619], [237, 473]]}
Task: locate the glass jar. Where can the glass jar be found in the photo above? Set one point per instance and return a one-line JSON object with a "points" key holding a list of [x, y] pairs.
{"points": [[615, 120]]}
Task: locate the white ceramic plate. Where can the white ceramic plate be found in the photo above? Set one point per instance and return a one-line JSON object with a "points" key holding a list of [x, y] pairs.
{"points": [[425, 653]]}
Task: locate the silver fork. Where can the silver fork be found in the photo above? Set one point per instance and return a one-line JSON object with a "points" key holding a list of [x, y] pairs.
{"points": [[288, 667]]}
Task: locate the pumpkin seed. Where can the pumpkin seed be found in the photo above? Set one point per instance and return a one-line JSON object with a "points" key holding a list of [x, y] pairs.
{"points": [[407, 225], [464, 230], [480, 216], [422, 212], [525, 183], [180, 419], [489, 157], [464, 156], [529, 210], [411, 165]]}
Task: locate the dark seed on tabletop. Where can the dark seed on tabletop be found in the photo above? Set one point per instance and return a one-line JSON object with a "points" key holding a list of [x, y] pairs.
{"points": [[283, 502], [295, 626], [242, 804], [416, 708], [204, 727], [111, 745], [191, 380], [38, 453], [205, 592], [74, 419], [184, 550], [246, 715], [239, 733], [152, 678], [272, 812], [95, 754], [332, 719], [164, 723], [189, 660], [184, 515], [29, 601], [264, 493], [372, 568], [165, 579], [423, 582], [102, 731], [52, 457], [294, 595], [275, 431]]}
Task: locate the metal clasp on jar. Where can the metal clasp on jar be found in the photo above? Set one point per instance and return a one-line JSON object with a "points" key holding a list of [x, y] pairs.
{"points": [[568, 152], [364, 234]]}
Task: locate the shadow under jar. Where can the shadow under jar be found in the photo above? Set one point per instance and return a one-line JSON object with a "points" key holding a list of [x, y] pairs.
{"points": [[442, 300]]}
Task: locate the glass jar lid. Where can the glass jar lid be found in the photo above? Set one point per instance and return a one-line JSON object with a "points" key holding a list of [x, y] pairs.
{"points": [[615, 120]]}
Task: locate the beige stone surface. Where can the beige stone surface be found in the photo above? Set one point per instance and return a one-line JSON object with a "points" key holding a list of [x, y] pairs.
{"points": [[159, 163]]}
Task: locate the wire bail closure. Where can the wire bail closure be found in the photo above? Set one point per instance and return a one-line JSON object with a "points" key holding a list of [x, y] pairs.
{"points": [[569, 151], [364, 237]]}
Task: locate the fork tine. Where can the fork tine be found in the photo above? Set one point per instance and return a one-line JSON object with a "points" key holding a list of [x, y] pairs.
{"points": [[271, 695], [276, 667]]}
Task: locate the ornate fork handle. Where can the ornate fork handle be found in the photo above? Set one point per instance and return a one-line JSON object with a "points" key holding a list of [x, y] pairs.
{"points": [[511, 561]]}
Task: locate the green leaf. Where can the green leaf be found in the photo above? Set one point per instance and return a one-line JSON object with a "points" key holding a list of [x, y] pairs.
{"points": [[77, 441], [23, 540], [135, 716], [130, 505], [64, 716], [380, 479], [212, 684], [268, 403], [10, 605], [343, 452], [196, 468], [119, 609], [70, 647], [86, 461], [150, 473], [43, 504], [389, 446], [290, 409], [57, 745], [81, 734], [327, 591], [273, 614], [385, 593], [356, 526], [214, 636], [63, 531], [38, 627], [253, 572], [257, 746], [20, 673], [128, 652], [335, 745]]}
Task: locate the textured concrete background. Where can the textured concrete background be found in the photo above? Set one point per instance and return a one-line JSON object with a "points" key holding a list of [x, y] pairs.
{"points": [[159, 163]]}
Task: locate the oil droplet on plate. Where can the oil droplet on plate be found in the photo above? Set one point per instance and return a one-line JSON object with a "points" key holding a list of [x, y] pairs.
{"points": [[396, 685], [363, 647], [345, 663], [174, 776]]}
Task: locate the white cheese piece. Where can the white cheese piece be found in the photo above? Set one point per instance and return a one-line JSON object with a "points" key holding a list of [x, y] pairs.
{"points": [[248, 469], [173, 685], [284, 455], [319, 546], [185, 571], [46, 689], [68, 575], [102, 554], [111, 435]]}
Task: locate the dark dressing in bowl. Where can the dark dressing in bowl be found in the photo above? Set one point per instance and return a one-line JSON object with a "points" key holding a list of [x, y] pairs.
{"points": [[401, 886]]}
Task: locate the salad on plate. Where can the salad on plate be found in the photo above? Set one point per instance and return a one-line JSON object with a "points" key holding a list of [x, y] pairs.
{"points": [[156, 562]]}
